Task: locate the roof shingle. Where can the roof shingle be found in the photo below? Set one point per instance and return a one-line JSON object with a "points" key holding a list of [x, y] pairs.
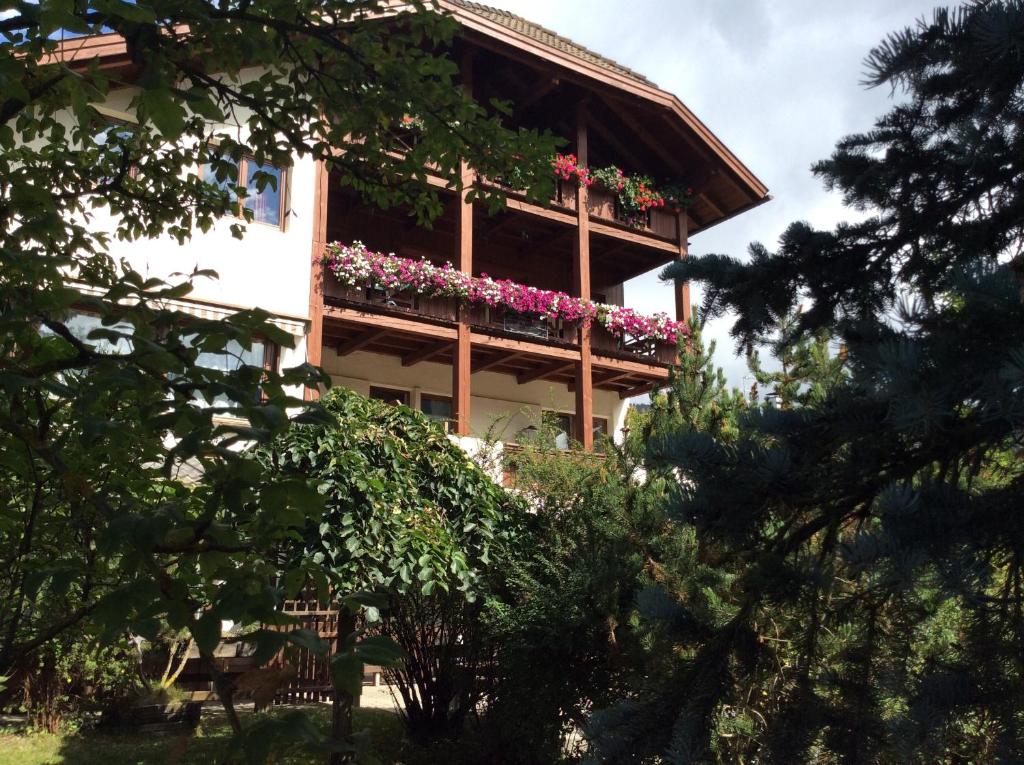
{"points": [[547, 37]]}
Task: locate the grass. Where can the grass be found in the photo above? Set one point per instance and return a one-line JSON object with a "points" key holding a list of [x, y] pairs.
{"points": [[203, 747]]}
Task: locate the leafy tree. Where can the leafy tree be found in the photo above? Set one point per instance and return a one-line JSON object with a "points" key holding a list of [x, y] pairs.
{"points": [[125, 504], [872, 524], [407, 514]]}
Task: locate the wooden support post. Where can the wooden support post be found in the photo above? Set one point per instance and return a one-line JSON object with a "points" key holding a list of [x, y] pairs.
{"points": [[462, 369], [682, 288], [315, 337], [581, 281]]}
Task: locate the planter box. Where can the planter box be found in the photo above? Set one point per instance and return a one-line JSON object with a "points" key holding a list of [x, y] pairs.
{"points": [[567, 193], [601, 202], [154, 718], [663, 223]]}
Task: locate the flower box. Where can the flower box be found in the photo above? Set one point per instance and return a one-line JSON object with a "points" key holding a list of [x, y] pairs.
{"points": [[567, 193], [601, 202], [663, 223], [361, 273]]}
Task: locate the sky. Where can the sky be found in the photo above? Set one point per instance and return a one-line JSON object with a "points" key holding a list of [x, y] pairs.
{"points": [[777, 80]]}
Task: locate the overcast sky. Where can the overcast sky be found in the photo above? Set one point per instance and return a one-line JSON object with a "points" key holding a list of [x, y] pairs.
{"points": [[778, 82]]}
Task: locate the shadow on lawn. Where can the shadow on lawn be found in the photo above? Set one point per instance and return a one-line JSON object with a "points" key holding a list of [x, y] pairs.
{"points": [[208, 743]]}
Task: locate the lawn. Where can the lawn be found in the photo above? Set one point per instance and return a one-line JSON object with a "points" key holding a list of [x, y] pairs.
{"points": [[204, 747]]}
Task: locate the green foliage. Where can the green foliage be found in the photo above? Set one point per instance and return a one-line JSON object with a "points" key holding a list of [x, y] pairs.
{"points": [[561, 616], [124, 504], [407, 514], [868, 522], [404, 508]]}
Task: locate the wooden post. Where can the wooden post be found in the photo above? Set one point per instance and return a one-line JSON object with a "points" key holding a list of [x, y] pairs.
{"points": [[581, 280], [682, 288], [314, 339], [462, 357]]}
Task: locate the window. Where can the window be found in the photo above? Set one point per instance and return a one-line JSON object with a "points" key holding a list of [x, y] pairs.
{"points": [[81, 325], [267, 203], [436, 408], [563, 425], [232, 357], [390, 395]]}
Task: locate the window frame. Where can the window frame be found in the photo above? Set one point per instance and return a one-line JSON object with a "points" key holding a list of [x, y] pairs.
{"points": [[446, 422], [407, 392], [240, 182]]}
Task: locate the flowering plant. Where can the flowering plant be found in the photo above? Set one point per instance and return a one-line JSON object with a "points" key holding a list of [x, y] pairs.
{"points": [[677, 198], [567, 167], [356, 265]]}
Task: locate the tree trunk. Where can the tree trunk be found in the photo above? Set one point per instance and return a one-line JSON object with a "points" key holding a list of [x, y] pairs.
{"points": [[341, 706]]}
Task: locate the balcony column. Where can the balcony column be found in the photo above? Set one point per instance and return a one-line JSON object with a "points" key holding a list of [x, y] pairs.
{"points": [[682, 289], [462, 353], [314, 339], [581, 282]]}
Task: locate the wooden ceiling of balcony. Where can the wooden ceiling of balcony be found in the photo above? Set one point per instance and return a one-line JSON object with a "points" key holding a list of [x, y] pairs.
{"points": [[507, 245], [347, 332], [635, 126]]}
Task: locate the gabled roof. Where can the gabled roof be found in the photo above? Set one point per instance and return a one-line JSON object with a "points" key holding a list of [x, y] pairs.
{"points": [[547, 37], [502, 28]]}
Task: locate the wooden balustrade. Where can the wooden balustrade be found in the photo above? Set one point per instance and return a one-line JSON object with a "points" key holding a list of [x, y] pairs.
{"points": [[603, 204], [658, 351], [441, 309], [498, 320]]}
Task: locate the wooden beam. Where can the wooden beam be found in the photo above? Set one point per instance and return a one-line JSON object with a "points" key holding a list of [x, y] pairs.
{"points": [[462, 360], [548, 369], [496, 360], [650, 370], [581, 279], [521, 205], [391, 323], [423, 354], [539, 90], [682, 289], [315, 338], [640, 389], [609, 137], [665, 153], [635, 237], [609, 377], [359, 341], [525, 347]]}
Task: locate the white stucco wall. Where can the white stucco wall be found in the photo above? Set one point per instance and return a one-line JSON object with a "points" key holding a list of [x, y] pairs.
{"points": [[268, 268]]}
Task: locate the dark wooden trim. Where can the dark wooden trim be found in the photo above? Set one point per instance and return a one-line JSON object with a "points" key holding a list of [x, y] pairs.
{"points": [[413, 327], [682, 289], [524, 347], [314, 338], [581, 279], [463, 357], [360, 341], [640, 389], [497, 360], [548, 369], [425, 353]]}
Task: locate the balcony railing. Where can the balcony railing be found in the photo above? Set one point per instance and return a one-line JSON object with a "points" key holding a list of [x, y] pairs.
{"points": [[497, 320], [604, 205]]}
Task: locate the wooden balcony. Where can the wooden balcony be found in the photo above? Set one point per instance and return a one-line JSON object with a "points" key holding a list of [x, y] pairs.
{"points": [[603, 207], [496, 322]]}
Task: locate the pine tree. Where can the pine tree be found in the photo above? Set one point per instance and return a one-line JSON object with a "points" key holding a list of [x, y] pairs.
{"points": [[872, 519]]}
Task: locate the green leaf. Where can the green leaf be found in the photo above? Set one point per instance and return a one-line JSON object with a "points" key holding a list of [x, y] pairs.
{"points": [[347, 674], [206, 632]]}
